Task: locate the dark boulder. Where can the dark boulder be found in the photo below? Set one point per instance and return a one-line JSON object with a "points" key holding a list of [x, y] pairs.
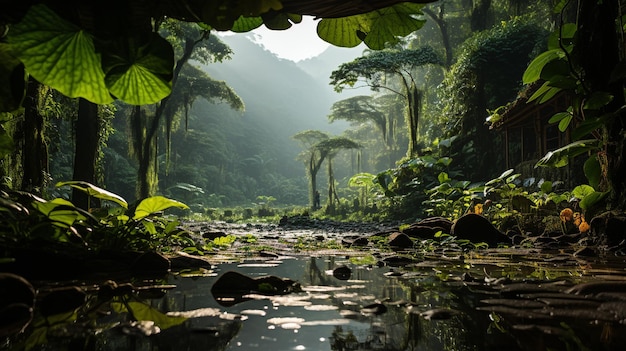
{"points": [[400, 241], [439, 223], [420, 231], [231, 287], [610, 227], [477, 228], [151, 263]]}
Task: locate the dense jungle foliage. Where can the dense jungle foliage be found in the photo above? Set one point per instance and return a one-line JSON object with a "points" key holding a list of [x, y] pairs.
{"points": [[226, 140]]}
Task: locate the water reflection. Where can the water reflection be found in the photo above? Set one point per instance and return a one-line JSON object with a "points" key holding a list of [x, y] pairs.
{"points": [[488, 302]]}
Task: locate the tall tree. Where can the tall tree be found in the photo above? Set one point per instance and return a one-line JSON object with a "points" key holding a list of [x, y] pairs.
{"points": [[378, 68], [87, 136], [330, 148], [312, 157], [34, 150], [363, 109], [190, 43], [318, 146]]}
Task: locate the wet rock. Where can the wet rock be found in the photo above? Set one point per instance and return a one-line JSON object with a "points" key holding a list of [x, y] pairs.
{"points": [[213, 235], [183, 261], [151, 262], [16, 304], [611, 227], [477, 228], [361, 241], [231, 287], [437, 223], [342, 272], [61, 300], [400, 241], [396, 261], [420, 231]]}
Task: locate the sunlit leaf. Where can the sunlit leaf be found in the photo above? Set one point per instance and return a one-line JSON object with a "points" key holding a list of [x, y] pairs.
{"points": [[564, 122], [593, 171], [533, 72], [591, 199], [59, 211], [155, 204], [59, 54], [341, 31], [582, 190], [139, 70], [144, 312], [443, 177], [375, 28], [94, 191], [560, 157], [246, 24]]}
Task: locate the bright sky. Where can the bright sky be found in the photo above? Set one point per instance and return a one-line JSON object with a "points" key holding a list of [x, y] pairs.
{"points": [[296, 43]]}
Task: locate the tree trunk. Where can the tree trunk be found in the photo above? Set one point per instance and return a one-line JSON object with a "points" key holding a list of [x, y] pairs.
{"points": [[413, 105], [443, 29], [87, 134], [479, 19], [35, 150]]}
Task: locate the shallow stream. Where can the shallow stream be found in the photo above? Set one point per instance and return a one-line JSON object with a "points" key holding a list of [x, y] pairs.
{"points": [[498, 299]]}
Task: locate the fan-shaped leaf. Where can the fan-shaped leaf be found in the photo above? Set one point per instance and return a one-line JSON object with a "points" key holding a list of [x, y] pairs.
{"points": [[139, 71], [59, 54]]}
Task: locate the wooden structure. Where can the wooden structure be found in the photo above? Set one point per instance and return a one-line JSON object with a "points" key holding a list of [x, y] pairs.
{"points": [[527, 134]]}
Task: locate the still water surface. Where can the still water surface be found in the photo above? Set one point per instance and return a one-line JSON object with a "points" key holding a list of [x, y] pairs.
{"points": [[493, 300]]}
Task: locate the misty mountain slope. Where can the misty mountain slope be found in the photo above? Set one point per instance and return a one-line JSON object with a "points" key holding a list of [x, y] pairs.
{"points": [[323, 65], [275, 91]]}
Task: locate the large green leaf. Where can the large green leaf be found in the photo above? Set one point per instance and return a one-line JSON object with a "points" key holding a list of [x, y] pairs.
{"points": [[593, 171], [342, 31], [560, 157], [139, 71], [156, 204], [59, 211], [246, 24], [59, 54], [533, 72], [375, 28], [591, 199], [94, 191]]}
